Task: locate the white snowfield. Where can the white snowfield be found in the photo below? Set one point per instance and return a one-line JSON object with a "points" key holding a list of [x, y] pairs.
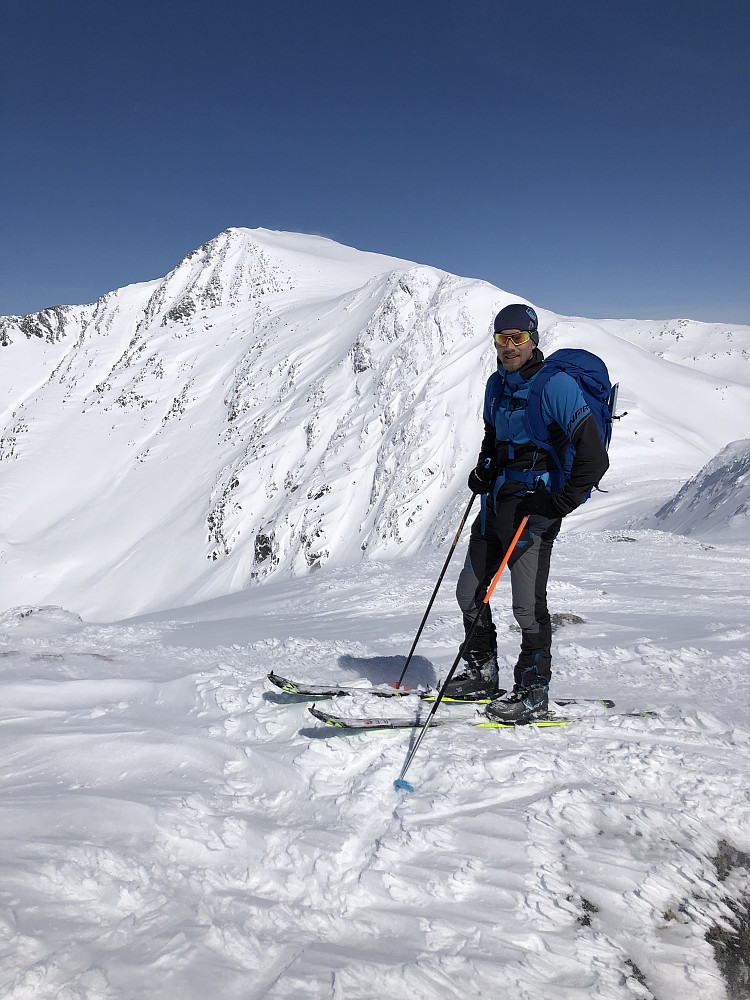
{"points": [[172, 826]]}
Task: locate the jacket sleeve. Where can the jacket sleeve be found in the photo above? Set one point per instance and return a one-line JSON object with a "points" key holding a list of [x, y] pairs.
{"points": [[487, 449], [590, 462]]}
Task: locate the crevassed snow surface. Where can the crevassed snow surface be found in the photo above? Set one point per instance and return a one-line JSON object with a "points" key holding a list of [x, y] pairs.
{"points": [[174, 827]]}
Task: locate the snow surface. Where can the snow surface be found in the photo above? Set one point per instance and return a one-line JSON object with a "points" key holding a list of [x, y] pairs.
{"points": [[174, 827]]}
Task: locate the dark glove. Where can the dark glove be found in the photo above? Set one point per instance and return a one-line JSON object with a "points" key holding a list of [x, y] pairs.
{"points": [[539, 502], [481, 478]]}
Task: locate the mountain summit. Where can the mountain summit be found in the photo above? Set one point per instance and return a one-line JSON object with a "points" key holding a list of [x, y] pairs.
{"points": [[278, 402]]}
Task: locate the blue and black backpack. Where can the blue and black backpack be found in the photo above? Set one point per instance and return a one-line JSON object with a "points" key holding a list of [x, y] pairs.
{"points": [[591, 374]]}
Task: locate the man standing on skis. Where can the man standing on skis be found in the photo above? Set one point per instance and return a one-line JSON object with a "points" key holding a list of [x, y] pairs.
{"points": [[512, 475]]}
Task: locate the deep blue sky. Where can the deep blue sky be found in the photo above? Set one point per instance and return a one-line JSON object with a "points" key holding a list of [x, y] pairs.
{"points": [[591, 155]]}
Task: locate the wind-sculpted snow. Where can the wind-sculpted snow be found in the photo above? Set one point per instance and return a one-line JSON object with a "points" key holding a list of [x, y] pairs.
{"points": [[174, 827], [279, 402]]}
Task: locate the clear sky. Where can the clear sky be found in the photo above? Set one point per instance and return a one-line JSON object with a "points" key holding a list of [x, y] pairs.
{"points": [[590, 155]]}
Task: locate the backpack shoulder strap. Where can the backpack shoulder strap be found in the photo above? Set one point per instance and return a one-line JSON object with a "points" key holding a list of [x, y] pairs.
{"points": [[536, 426], [493, 394]]}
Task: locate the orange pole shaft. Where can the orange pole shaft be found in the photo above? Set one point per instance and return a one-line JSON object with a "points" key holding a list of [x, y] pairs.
{"points": [[506, 557]]}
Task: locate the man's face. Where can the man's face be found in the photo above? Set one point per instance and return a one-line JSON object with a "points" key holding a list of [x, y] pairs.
{"points": [[513, 357]]}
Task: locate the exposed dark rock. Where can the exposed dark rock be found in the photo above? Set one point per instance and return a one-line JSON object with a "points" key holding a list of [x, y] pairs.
{"points": [[558, 620], [732, 947], [635, 973], [263, 547]]}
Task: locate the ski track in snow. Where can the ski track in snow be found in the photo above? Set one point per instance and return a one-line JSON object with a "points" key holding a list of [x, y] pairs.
{"points": [[172, 826]]}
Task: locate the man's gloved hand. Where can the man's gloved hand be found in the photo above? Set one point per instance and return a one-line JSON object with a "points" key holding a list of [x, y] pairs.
{"points": [[539, 502], [480, 479]]}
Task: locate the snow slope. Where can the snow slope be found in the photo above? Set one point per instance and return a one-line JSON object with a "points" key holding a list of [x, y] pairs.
{"points": [[715, 503], [174, 827], [279, 402]]}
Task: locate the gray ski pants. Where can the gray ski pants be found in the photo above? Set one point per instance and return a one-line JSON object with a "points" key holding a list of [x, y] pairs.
{"points": [[529, 570]]}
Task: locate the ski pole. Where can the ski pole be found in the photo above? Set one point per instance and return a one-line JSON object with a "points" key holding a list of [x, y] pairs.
{"points": [[434, 593], [399, 782]]}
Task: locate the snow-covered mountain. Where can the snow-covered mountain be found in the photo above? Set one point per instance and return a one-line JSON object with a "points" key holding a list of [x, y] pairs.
{"points": [[716, 501], [278, 402], [174, 827]]}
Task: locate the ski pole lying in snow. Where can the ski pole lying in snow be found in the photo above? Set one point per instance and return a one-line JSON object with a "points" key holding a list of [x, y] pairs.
{"points": [[399, 782], [397, 684]]}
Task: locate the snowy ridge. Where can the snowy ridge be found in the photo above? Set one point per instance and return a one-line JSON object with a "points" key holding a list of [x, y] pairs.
{"points": [[717, 349], [714, 502], [279, 402]]}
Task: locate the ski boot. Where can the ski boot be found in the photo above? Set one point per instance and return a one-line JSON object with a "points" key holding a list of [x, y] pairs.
{"points": [[521, 706], [479, 678]]}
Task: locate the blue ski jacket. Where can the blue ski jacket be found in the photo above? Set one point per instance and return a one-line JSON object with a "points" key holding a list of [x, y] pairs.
{"points": [[517, 463]]}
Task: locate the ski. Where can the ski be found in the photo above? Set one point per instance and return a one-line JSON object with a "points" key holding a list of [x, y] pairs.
{"points": [[337, 690], [317, 691], [363, 722], [378, 691], [357, 722], [354, 722]]}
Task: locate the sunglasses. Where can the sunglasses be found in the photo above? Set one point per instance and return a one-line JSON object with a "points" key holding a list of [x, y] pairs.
{"points": [[517, 338]]}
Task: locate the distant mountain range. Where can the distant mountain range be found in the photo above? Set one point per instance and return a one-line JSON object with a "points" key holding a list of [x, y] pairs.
{"points": [[279, 402]]}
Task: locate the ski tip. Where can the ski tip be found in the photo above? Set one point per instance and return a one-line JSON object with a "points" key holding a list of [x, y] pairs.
{"points": [[400, 785]]}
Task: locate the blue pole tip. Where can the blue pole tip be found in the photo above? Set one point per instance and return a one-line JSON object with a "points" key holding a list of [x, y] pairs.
{"points": [[399, 783]]}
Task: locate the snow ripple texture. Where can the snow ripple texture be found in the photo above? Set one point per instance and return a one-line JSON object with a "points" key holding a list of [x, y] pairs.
{"points": [[172, 826]]}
